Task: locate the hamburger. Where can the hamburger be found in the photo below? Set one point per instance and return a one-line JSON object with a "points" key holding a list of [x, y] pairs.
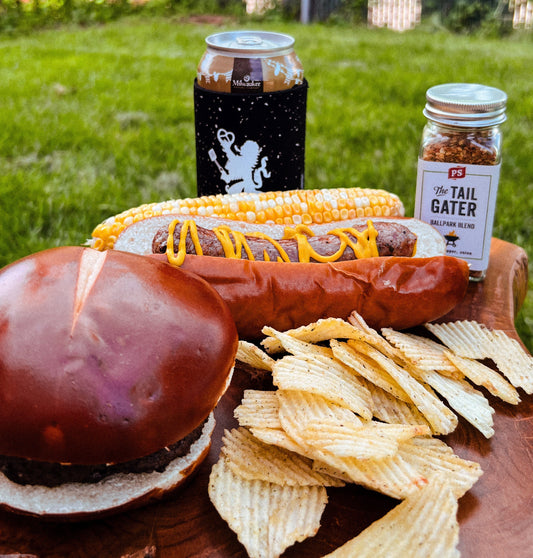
{"points": [[111, 365]]}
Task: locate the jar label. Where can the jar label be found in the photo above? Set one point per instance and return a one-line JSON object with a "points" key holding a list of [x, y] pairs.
{"points": [[459, 200]]}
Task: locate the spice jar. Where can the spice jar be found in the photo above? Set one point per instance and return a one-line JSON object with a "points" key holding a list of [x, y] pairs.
{"points": [[459, 168]]}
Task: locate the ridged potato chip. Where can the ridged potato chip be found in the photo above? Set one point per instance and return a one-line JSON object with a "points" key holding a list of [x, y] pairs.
{"points": [[258, 408], [352, 405], [363, 366], [486, 377], [473, 340], [349, 441], [283, 440], [374, 338], [393, 476], [441, 419], [278, 437], [512, 360], [299, 408], [466, 401], [432, 456], [325, 377], [267, 517], [297, 346], [390, 409], [371, 440], [424, 525], [253, 459], [321, 330], [251, 354], [465, 338], [422, 352]]}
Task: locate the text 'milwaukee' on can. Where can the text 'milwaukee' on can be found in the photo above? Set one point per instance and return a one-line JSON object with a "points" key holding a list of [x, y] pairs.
{"points": [[249, 62]]}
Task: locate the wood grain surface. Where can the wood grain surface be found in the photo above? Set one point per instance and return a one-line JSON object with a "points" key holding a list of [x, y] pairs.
{"points": [[496, 516]]}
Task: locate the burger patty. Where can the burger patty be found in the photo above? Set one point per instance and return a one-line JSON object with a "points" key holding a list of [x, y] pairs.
{"points": [[28, 471]]}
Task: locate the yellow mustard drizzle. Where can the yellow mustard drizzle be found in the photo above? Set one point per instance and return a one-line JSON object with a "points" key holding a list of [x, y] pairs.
{"points": [[282, 257], [178, 258], [298, 229], [365, 247], [233, 242], [233, 248]]}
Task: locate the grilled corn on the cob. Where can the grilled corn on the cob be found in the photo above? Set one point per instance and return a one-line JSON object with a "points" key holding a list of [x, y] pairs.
{"points": [[292, 207]]}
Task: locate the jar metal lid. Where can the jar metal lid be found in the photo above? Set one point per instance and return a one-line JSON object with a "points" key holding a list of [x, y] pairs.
{"points": [[465, 105], [251, 43]]}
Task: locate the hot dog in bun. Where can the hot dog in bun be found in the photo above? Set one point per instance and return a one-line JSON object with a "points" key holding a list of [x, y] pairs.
{"points": [[289, 258], [110, 367]]}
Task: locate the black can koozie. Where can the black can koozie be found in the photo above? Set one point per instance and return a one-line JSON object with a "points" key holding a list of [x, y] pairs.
{"points": [[250, 142]]}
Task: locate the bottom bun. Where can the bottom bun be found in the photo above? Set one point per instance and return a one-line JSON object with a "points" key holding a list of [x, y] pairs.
{"points": [[80, 501]]}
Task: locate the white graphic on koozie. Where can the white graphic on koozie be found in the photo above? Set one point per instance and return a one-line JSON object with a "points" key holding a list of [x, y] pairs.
{"points": [[244, 170]]}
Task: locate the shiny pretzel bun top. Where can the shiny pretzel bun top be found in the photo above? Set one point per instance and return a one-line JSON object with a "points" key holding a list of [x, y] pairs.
{"points": [[106, 356]]}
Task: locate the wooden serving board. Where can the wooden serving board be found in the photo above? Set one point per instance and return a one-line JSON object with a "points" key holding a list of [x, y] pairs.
{"points": [[496, 516]]}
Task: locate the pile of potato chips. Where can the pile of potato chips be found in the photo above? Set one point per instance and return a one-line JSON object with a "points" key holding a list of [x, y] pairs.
{"points": [[352, 405]]}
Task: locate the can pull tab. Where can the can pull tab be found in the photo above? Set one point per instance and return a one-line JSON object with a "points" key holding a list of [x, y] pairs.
{"points": [[249, 40]]}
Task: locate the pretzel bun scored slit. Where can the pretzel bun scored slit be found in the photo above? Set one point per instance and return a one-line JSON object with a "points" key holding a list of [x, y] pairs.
{"points": [[110, 367]]}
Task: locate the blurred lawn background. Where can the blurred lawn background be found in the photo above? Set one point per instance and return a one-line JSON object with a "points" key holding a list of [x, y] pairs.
{"points": [[97, 119]]}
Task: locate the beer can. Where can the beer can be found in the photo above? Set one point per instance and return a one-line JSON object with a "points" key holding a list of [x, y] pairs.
{"points": [[249, 62]]}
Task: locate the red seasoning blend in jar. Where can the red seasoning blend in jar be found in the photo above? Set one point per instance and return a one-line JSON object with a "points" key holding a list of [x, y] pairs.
{"points": [[459, 168], [249, 61]]}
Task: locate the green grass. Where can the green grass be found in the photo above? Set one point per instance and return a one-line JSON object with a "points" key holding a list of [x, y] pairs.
{"points": [[95, 120]]}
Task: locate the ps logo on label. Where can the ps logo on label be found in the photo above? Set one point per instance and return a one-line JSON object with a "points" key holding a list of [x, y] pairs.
{"points": [[456, 172]]}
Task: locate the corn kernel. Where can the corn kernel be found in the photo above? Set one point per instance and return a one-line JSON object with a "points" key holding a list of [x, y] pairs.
{"points": [[99, 244], [270, 214]]}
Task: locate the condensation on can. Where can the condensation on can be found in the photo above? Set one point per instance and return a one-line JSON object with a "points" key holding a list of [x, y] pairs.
{"points": [[249, 62]]}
